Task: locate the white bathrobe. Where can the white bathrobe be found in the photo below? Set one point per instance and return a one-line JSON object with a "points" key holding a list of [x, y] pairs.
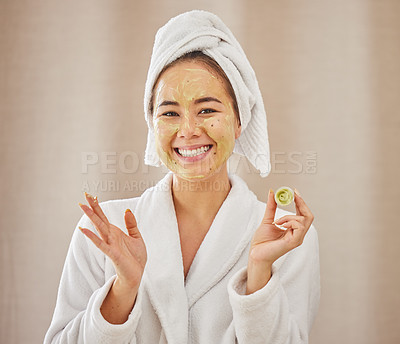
{"points": [[210, 306]]}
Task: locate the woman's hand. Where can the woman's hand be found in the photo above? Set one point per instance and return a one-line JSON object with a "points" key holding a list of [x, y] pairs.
{"points": [[128, 254], [271, 242]]}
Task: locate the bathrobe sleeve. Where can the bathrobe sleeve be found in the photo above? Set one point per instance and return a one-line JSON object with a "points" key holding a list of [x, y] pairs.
{"points": [[77, 317], [283, 311]]}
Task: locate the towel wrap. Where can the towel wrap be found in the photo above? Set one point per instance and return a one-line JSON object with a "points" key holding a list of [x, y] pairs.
{"points": [[203, 31]]}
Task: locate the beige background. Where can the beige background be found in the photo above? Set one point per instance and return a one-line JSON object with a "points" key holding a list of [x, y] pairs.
{"points": [[72, 81]]}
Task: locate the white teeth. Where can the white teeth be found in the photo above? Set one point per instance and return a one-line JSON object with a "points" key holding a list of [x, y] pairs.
{"points": [[193, 152]]}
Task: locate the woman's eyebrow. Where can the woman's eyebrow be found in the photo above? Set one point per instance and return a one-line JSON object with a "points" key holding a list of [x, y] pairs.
{"points": [[207, 99], [197, 101], [168, 102]]}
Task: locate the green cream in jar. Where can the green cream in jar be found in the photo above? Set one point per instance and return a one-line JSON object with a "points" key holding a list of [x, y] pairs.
{"points": [[284, 196]]}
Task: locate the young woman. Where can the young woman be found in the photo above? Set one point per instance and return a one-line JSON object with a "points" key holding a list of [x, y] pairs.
{"points": [[198, 258]]}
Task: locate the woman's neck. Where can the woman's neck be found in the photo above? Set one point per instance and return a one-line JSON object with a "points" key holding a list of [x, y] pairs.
{"points": [[200, 198]]}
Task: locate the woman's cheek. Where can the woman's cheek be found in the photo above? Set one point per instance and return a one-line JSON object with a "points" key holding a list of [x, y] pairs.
{"points": [[222, 132], [213, 128], [164, 132]]}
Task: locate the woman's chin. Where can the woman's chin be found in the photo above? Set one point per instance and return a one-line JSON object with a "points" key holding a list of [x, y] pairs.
{"points": [[196, 171], [192, 176], [198, 174]]}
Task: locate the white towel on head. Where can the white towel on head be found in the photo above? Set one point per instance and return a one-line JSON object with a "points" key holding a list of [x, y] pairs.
{"points": [[203, 31]]}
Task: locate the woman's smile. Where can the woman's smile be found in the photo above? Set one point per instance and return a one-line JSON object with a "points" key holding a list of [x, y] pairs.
{"points": [[193, 153]]}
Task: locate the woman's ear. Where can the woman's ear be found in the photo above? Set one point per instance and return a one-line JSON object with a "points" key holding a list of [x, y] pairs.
{"points": [[238, 131]]}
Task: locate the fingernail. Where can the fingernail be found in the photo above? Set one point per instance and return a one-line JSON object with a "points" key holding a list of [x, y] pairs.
{"points": [[88, 195], [84, 207], [297, 192], [128, 210], [271, 191]]}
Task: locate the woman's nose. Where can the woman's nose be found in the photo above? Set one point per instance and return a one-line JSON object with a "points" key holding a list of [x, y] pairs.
{"points": [[188, 127]]}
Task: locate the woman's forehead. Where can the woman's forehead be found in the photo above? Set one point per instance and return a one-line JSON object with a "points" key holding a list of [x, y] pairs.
{"points": [[189, 71], [189, 78]]}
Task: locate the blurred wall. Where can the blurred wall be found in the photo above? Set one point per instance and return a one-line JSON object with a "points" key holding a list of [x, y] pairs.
{"points": [[72, 81]]}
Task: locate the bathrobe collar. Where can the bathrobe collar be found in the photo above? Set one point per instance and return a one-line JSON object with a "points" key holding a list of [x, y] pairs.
{"points": [[227, 238]]}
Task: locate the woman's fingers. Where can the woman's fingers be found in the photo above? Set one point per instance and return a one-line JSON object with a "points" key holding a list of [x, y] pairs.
{"points": [[270, 209], [293, 224], [287, 218], [297, 233], [301, 207], [131, 224], [93, 202], [100, 226], [94, 238]]}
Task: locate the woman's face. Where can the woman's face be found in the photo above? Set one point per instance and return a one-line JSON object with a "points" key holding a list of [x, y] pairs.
{"points": [[194, 120]]}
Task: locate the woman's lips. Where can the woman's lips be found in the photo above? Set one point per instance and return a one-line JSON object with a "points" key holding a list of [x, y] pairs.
{"points": [[192, 153]]}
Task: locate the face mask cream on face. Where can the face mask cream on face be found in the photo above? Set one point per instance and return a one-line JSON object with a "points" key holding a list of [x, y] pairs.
{"points": [[194, 121]]}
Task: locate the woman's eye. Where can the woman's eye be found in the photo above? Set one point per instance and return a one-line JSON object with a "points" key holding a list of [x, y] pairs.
{"points": [[205, 111], [170, 114]]}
